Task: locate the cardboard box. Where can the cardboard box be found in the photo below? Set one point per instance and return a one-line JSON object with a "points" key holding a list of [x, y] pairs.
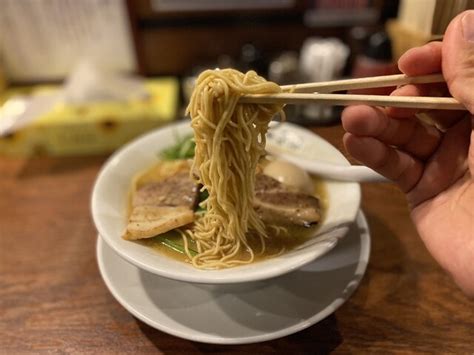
{"points": [[93, 128]]}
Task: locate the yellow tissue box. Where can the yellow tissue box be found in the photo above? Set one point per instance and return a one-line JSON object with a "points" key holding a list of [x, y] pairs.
{"points": [[94, 128]]}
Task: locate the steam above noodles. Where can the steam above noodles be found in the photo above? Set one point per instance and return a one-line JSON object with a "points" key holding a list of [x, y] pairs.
{"points": [[230, 140]]}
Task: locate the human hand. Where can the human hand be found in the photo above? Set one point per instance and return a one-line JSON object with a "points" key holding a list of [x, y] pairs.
{"points": [[433, 165]]}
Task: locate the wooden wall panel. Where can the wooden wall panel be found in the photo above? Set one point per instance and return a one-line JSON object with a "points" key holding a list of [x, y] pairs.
{"points": [[177, 50]]}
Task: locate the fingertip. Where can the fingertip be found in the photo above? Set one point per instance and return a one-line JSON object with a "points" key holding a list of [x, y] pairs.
{"points": [[346, 138], [407, 90], [421, 60], [347, 117], [406, 58], [356, 147], [351, 119], [395, 165], [366, 150], [351, 144], [458, 58], [362, 120]]}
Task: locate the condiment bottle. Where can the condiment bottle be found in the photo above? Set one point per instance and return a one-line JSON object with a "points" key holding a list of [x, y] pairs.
{"points": [[376, 60]]}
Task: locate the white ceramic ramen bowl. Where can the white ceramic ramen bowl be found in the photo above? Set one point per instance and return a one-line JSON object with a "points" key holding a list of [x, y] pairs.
{"points": [[109, 207]]}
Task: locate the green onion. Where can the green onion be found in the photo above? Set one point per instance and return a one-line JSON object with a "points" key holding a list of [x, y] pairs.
{"points": [[182, 149], [203, 196], [176, 247]]}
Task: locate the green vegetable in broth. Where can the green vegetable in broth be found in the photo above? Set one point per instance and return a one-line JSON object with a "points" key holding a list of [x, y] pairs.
{"points": [[182, 149], [175, 246], [171, 240]]}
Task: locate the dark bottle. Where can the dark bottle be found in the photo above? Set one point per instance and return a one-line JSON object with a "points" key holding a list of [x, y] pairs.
{"points": [[375, 60]]}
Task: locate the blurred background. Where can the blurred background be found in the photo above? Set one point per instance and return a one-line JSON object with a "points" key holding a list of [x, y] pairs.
{"points": [[84, 77]]}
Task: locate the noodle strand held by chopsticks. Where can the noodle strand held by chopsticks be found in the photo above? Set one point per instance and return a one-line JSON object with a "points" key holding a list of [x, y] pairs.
{"points": [[230, 140]]}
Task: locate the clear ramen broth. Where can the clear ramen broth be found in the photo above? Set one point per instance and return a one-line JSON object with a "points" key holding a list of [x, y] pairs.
{"points": [[274, 245]]}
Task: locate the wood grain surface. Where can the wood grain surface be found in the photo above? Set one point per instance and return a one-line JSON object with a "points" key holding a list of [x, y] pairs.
{"points": [[53, 300]]}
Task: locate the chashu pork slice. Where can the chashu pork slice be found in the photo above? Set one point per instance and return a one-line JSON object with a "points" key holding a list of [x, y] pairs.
{"points": [[176, 190], [149, 221], [276, 203], [158, 207]]}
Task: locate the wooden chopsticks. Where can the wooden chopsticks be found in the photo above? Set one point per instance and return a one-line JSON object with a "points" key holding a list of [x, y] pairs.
{"points": [[421, 102], [320, 93], [363, 83]]}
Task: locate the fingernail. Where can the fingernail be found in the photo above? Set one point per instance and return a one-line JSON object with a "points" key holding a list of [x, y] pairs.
{"points": [[467, 22]]}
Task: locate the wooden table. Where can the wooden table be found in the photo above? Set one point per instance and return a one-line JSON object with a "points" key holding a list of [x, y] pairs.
{"points": [[52, 298]]}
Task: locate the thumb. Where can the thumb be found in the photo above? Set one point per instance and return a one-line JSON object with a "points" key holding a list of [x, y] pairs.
{"points": [[458, 58], [458, 66]]}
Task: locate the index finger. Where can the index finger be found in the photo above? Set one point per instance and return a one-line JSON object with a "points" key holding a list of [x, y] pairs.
{"points": [[424, 60], [421, 60]]}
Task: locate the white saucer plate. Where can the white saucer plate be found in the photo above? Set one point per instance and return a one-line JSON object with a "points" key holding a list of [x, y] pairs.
{"points": [[241, 313]]}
